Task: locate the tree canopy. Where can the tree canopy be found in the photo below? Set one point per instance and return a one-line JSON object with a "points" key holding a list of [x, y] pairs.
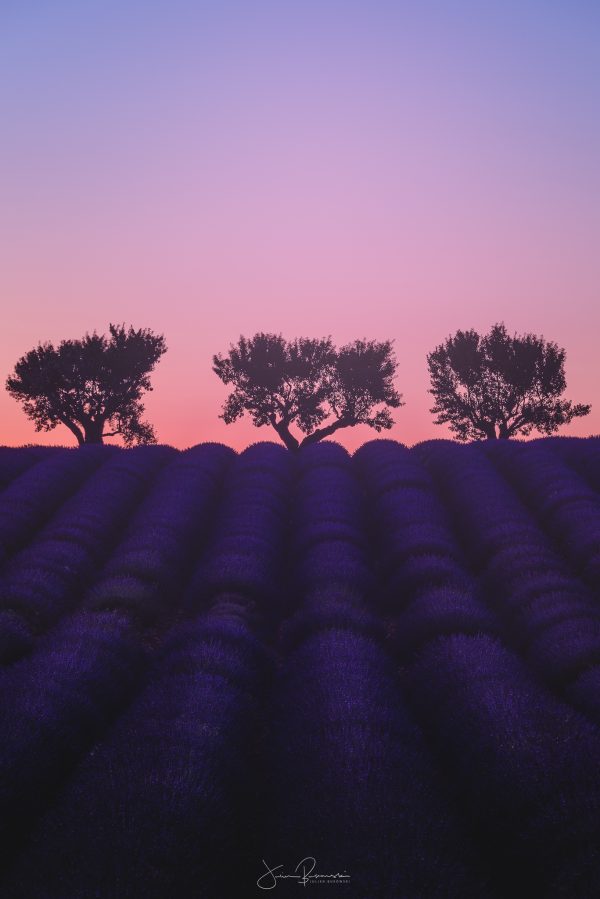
{"points": [[305, 381], [496, 385], [92, 386]]}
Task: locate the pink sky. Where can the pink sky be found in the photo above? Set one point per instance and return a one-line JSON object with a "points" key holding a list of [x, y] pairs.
{"points": [[327, 169]]}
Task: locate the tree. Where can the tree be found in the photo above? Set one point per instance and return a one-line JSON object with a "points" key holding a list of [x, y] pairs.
{"points": [[92, 386], [281, 383], [499, 386]]}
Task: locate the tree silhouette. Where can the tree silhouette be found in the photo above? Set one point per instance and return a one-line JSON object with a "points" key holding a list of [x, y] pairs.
{"points": [[281, 383], [498, 386], [90, 385]]}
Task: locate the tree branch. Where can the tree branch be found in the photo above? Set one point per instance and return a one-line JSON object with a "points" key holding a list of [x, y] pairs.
{"points": [[320, 433], [72, 428]]}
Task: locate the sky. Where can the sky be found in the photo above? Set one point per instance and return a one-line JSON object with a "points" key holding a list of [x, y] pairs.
{"points": [[377, 170]]}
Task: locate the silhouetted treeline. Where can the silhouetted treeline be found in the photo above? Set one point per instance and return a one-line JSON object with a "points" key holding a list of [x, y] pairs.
{"points": [[485, 386]]}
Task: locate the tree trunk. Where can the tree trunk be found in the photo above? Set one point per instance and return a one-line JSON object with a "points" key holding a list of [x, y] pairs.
{"points": [[283, 431], [93, 432], [74, 429]]}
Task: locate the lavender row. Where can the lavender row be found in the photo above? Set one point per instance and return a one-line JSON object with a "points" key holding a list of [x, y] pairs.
{"points": [[93, 661], [14, 460], [169, 789], [583, 454], [525, 763], [164, 806], [56, 702], [45, 580], [32, 497], [551, 616], [348, 779], [502, 739], [564, 504], [147, 571], [330, 578], [425, 584], [245, 551]]}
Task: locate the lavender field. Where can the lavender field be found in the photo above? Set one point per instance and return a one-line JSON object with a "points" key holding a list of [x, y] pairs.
{"points": [[216, 665]]}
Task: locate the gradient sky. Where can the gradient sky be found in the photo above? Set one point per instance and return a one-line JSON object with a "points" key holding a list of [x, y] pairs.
{"points": [[305, 167]]}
